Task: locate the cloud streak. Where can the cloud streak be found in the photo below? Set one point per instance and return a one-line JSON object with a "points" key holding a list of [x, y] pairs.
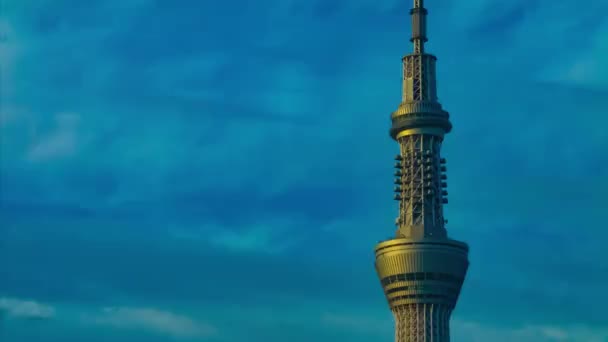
{"points": [[153, 320], [473, 331], [26, 309]]}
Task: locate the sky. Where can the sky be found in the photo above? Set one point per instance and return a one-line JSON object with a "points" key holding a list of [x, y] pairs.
{"points": [[221, 170]]}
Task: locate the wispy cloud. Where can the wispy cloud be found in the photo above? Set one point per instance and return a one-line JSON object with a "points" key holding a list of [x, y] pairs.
{"points": [[61, 141], [266, 237], [473, 331], [477, 332], [27, 309], [587, 68], [153, 320], [357, 323]]}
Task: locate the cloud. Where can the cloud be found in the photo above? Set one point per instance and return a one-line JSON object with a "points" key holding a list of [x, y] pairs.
{"points": [[477, 332], [9, 53], [266, 237], [62, 141], [256, 239], [360, 324], [472, 331], [153, 320], [587, 68], [18, 308]]}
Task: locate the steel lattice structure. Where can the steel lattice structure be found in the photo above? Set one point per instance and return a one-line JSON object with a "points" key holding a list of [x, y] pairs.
{"points": [[421, 269]]}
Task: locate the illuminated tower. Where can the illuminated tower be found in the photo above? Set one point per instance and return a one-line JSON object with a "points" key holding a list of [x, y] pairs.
{"points": [[421, 269]]}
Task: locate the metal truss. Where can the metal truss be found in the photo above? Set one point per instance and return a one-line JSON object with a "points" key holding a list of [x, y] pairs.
{"points": [[422, 323], [420, 185]]}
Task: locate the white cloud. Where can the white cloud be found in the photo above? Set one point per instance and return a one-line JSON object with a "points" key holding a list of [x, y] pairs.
{"points": [[153, 320], [18, 308]]}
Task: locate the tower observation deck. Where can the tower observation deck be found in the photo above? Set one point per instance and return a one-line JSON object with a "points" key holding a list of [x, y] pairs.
{"points": [[421, 270]]}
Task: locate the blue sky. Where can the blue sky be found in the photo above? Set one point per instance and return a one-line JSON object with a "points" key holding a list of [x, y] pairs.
{"points": [[221, 171]]}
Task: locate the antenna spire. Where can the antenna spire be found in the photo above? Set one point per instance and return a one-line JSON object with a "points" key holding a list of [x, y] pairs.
{"points": [[418, 14]]}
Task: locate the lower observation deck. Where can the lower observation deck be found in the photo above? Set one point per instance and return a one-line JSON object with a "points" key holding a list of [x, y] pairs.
{"points": [[422, 281]]}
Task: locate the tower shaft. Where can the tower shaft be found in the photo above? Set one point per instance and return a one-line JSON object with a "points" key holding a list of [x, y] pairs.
{"points": [[421, 270], [422, 322]]}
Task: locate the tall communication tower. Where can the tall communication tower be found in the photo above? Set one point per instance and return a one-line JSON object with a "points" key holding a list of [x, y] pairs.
{"points": [[421, 270]]}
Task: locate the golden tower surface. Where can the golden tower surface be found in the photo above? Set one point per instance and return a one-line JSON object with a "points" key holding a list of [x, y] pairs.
{"points": [[421, 270]]}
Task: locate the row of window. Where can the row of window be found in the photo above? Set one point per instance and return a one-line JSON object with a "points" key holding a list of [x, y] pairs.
{"points": [[421, 276], [448, 290], [418, 296]]}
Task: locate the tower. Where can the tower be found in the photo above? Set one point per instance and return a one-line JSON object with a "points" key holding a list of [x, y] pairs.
{"points": [[421, 270]]}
